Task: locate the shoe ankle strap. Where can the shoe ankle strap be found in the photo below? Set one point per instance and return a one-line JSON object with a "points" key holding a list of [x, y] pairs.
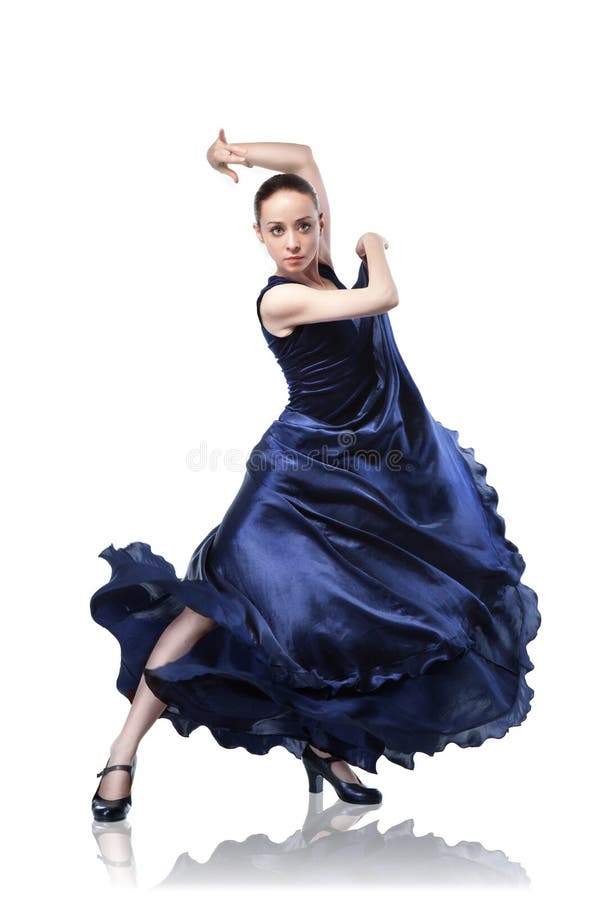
{"points": [[110, 769]]}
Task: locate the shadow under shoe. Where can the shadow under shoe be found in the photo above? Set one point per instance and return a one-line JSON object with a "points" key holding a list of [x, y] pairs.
{"points": [[318, 767], [113, 810]]}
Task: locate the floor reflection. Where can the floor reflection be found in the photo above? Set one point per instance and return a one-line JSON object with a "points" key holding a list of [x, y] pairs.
{"points": [[330, 847]]}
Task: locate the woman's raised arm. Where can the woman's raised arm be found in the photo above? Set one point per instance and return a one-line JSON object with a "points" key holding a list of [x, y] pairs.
{"points": [[281, 157], [284, 306]]}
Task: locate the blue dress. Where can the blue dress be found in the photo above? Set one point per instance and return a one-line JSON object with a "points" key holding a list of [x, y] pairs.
{"points": [[367, 599]]}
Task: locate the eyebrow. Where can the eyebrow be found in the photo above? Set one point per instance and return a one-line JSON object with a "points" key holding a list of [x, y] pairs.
{"points": [[281, 223]]}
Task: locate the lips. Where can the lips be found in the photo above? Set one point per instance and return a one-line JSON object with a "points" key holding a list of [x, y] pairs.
{"points": [[288, 258]]}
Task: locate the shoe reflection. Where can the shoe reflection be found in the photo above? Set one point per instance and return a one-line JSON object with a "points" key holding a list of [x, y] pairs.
{"points": [[116, 851], [328, 848]]}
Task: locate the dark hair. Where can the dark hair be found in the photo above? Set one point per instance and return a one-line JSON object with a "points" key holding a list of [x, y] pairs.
{"points": [[284, 181]]}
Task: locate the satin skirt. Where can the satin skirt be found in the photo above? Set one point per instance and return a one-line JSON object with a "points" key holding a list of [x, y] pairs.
{"points": [[366, 597]]}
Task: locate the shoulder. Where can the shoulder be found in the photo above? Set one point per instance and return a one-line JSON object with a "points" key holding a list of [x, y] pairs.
{"points": [[263, 314], [263, 310]]}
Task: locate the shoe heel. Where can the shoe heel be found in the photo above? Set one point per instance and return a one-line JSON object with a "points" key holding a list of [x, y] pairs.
{"points": [[315, 780]]}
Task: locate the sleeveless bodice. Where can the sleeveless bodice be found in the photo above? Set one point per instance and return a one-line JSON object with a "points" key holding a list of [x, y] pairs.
{"points": [[328, 366]]}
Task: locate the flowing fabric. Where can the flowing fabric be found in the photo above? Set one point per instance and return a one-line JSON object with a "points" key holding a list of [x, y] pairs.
{"points": [[366, 597]]}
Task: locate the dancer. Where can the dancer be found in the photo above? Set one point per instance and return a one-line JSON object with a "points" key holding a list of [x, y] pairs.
{"points": [[359, 598]]}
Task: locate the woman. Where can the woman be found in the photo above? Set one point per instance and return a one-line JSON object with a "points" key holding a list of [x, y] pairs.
{"points": [[359, 597]]}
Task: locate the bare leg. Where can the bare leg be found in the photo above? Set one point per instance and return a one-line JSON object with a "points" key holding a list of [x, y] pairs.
{"points": [[178, 637], [341, 768]]}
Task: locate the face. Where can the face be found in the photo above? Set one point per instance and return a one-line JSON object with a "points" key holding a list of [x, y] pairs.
{"points": [[290, 227]]}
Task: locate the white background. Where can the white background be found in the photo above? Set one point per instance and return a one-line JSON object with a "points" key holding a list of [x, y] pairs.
{"points": [[466, 133]]}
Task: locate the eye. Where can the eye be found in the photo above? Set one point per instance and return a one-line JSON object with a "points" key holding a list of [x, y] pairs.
{"points": [[276, 229]]}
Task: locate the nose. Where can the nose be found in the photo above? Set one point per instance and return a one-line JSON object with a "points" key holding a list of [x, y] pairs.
{"points": [[293, 244]]}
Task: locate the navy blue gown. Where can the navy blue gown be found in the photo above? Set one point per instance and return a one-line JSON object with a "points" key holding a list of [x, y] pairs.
{"points": [[367, 599]]}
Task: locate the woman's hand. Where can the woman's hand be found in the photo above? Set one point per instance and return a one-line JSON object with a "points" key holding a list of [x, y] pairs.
{"points": [[220, 153], [360, 246]]}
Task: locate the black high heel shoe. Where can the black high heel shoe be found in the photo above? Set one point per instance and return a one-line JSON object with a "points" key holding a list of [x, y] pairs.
{"points": [[318, 767], [113, 810]]}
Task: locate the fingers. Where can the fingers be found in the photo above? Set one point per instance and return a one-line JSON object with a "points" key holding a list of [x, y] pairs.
{"points": [[227, 171], [221, 153], [232, 157], [224, 154], [237, 148]]}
